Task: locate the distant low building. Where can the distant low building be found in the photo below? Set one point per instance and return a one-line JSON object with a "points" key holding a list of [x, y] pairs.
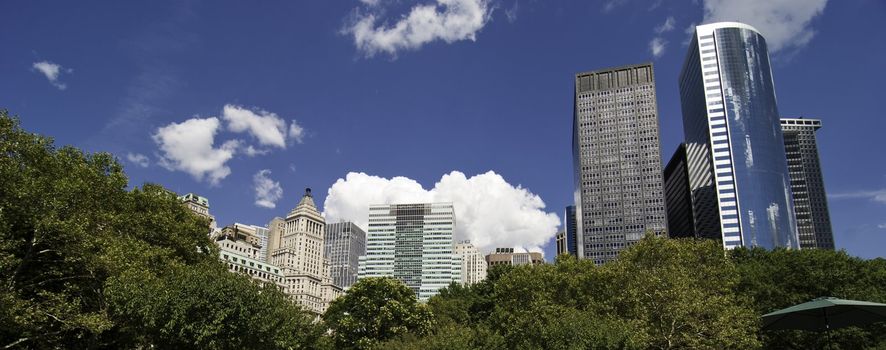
{"points": [[507, 256], [473, 266], [255, 235]]}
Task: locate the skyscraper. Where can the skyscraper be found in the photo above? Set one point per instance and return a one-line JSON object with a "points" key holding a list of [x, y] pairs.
{"points": [[473, 266], [807, 183], [412, 243], [345, 243], [734, 147], [617, 160], [678, 197], [570, 237], [298, 243]]}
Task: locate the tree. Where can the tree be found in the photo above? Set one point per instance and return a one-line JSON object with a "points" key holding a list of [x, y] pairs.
{"points": [[374, 310], [682, 292], [780, 278], [86, 264]]}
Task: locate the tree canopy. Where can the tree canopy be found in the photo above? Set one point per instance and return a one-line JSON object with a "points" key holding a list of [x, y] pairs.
{"points": [[86, 263]]}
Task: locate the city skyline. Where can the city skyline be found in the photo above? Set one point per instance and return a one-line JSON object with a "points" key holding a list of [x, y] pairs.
{"points": [[344, 112]]}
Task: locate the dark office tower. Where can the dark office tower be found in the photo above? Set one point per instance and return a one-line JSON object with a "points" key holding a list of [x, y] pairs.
{"points": [[571, 230], [617, 160], [345, 243], [807, 183], [678, 197], [734, 146]]}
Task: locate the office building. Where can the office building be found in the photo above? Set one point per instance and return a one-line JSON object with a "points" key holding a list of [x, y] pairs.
{"points": [[617, 160], [414, 244], [738, 173], [255, 235], [473, 266], [678, 197], [807, 183], [199, 205], [242, 256], [507, 256], [561, 243], [299, 248], [345, 243], [570, 241]]}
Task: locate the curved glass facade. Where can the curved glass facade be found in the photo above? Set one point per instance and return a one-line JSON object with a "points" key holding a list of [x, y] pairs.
{"points": [[737, 169], [761, 181]]}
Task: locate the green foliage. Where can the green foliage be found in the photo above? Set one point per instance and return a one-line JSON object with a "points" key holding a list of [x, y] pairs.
{"points": [[781, 278], [84, 263], [375, 310]]}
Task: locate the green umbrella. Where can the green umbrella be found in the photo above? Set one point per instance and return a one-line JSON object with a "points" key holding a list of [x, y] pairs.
{"points": [[825, 313]]}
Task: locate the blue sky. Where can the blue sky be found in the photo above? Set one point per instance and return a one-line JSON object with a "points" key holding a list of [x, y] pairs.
{"points": [[470, 101]]}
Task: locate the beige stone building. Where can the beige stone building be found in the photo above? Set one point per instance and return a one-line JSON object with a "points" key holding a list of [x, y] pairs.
{"points": [[473, 266], [296, 245], [507, 256]]}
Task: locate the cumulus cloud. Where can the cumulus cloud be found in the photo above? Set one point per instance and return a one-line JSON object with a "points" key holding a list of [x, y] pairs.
{"points": [[489, 211], [52, 72], [875, 195], [786, 24], [138, 159], [446, 20], [189, 146], [268, 128], [267, 191], [296, 132], [657, 47]]}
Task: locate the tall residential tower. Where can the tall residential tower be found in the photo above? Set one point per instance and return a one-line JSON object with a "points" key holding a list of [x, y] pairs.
{"points": [[807, 183], [738, 175], [617, 160]]}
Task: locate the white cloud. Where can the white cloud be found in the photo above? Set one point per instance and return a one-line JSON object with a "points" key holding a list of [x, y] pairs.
{"points": [[657, 47], [267, 191], [188, 146], [667, 26], [267, 127], [875, 195], [786, 24], [447, 20], [883, 226], [252, 151], [51, 71], [138, 159], [297, 132], [489, 211]]}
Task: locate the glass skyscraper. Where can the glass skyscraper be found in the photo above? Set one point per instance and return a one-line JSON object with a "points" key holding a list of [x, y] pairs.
{"points": [[617, 161], [345, 243], [738, 173], [414, 244]]}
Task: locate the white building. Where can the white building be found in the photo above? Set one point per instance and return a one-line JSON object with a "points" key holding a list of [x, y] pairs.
{"points": [[473, 264], [412, 243], [242, 256], [297, 245]]}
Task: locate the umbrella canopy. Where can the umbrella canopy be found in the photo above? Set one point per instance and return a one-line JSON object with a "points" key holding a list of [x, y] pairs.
{"points": [[825, 313]]}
